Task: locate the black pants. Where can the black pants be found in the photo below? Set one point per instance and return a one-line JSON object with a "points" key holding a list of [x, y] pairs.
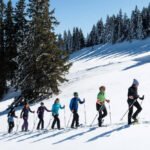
{"points": [[41, 123], [11, 126], [56, 120], [102, 113], [139, 109], [75, 119]]}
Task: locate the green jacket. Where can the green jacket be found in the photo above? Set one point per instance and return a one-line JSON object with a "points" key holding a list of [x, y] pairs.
{"points": [[101, 97]]}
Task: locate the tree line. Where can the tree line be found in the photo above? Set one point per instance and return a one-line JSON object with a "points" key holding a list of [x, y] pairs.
{"points": [[30, 55], [117, 28]]}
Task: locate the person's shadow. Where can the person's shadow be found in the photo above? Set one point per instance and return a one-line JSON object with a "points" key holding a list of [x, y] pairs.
{"points": [[106, 134], [76, 135]]}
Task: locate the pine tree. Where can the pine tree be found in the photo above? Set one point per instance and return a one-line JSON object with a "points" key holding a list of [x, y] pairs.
{"points": [[113, 29], [10, 43], [77, 39], [126, 28], [88, 40], [108, 30], [65, 38], [20, 23], [3, 86], [74, 40], [81, 39], [145, 20], [148, 20], [94, 36], [70, 41], [60, 42], [134, 23], [120, 27], [42, 65], [100, 31], [140, 30]]}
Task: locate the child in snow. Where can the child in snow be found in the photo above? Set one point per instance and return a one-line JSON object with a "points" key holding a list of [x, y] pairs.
{"points": [[55, 112], [74, 109], [11, 116], [100, 105], [24, 114], [40, 113], [132, 101]]}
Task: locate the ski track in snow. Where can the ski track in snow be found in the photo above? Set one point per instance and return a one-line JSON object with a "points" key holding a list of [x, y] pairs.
{"points": [[114, 66]]}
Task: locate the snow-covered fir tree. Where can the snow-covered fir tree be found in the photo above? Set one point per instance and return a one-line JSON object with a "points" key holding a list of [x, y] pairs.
{"points": [[41, 64], [100, 31], [120, 27], [140, 29]]}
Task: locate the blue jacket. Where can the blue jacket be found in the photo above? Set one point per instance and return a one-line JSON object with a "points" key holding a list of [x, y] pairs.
{"points": [[56, 107], [11, 116], [74, 103]]}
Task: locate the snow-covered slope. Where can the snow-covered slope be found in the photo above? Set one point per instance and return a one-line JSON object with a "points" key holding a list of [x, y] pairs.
{"points": [[114, 66]]}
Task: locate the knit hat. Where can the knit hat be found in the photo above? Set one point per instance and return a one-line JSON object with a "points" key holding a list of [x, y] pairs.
{"points": [[42, 103], [75, 93], [135, 82]]}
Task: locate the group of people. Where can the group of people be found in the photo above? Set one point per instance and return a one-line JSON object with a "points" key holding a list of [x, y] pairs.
{"points": [[75, 101]]}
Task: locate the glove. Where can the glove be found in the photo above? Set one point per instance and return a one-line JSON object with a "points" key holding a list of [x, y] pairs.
{"points": [[33, 111], [142, 98], [21, 117], [108, 101]]}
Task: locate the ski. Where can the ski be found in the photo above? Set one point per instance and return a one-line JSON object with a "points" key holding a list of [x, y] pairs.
{"points": [[136, 122]]}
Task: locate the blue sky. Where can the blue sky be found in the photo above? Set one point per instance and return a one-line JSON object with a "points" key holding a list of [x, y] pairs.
{"points": [[85, 13]]}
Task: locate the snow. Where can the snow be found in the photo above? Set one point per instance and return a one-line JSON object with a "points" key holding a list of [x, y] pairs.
{"points": [[114, 66]]}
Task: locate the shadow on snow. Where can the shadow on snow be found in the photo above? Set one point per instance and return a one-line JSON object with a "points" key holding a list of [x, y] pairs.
{"points": [[107, 134], [140, 61], [74, 136]]}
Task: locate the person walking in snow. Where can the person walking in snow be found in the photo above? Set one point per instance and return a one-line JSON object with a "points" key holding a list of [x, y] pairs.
{"points": [[40, 113], [132, 101], [11, 116], [55, 112], [100, 105], [74, 109], [25, 114]]}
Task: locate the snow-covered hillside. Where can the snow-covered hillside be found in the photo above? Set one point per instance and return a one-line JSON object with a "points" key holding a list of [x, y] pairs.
{"points": [[114, 66]]}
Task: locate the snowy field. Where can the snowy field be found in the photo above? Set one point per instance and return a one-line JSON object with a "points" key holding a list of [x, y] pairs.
{"points": [[114, 66]]}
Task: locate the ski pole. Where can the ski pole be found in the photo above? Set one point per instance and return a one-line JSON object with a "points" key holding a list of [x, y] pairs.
{"points": [[85, 113], [18, 124], [49, 123], [65, 117], [69, 120], [35, 119], [97, 114], [128, 110], [110, 114]]}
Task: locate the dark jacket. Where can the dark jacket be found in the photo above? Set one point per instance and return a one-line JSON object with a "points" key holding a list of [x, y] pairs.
{"points": [[74, 103], [41, 110], [11, 115], [132, 91], [25, 112]]}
